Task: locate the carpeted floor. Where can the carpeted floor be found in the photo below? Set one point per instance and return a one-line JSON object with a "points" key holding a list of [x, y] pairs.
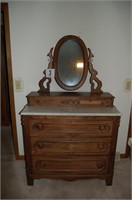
{"points": [[14, 184]]}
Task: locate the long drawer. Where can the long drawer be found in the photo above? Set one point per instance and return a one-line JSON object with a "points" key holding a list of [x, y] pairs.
{"points": [[40, 146], [73, 129], [89, 165], [70, 99]]}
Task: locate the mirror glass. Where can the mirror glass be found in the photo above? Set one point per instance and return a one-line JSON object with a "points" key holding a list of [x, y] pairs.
{"points": [[70, 63]]}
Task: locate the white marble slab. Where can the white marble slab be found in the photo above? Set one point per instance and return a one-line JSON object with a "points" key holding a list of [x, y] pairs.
{"points": [[70, 111]]}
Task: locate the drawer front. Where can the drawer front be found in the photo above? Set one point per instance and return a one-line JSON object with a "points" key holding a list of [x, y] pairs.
{"points": [[84, 166], [71, 99], [77, 130], [39, 146]]}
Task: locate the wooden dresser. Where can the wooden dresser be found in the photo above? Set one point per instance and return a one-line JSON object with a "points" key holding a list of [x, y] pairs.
{"points": [[70, 135], [69, 142]]}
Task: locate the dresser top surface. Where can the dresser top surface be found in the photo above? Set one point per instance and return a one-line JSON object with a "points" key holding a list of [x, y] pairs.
{"points": [[70, 111]]}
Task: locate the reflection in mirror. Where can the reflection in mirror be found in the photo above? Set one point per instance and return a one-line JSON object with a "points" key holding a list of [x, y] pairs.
{"points": [[70, 63]]}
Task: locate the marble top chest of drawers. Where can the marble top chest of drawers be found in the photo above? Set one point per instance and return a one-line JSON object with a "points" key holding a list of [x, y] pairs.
{"points": [[70, 135], [70, 141]]}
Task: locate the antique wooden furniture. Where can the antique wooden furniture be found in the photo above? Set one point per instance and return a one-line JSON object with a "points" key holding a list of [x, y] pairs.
{"points": [[70, 135]]}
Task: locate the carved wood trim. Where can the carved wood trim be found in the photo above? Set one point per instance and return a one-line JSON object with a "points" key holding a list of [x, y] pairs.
{"points": [[93, 77], [104, 128], [70, 102], [46, 88], [39, 146], [38, 127], [101, 165]]}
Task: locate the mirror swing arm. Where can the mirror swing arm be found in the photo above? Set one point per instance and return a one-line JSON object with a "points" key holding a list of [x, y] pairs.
{"points": [[93, 77], [96, 84], [45, 78]]}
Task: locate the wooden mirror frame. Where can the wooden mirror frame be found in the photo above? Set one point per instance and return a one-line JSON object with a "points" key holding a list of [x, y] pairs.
{"points": [[85, 60], [96, 84]]}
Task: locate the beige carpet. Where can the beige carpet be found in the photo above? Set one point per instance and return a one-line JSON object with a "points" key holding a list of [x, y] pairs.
{"points": [[14, 184]]}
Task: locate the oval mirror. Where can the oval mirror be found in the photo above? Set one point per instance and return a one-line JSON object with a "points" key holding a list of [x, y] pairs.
{"points": [[70, 62]]}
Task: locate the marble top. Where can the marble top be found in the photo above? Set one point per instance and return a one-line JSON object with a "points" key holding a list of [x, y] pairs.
{"points": [[70, 111]]}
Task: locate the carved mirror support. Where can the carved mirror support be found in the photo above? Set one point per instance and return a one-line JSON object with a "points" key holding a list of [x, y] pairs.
{"points": [[95, 88], [71, 61], [44, 83]]}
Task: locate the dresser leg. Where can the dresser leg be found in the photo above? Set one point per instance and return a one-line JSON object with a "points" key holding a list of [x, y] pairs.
{"points": [[30, 180], [109, 181]]}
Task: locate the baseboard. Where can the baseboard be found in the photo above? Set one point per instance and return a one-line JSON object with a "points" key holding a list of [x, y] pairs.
{"points": [[119, 156], [123, 155], [20, 157]]}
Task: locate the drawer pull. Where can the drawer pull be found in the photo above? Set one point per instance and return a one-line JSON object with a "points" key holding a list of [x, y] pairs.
{"points": [[39, 146], [103, 147], [104, 127], [38, 127], [40, 165], [70, 101], [100, 166]]}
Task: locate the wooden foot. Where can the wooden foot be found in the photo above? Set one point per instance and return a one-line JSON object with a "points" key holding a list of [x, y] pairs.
{"points": [[30, 180], [109, 181]]}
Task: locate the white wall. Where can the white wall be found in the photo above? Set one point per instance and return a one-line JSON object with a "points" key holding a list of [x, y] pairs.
{"points": [[35, 27]]}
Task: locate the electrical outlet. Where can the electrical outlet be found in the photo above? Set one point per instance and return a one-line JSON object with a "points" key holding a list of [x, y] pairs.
{"points": [[18, 85], [128, 85]]}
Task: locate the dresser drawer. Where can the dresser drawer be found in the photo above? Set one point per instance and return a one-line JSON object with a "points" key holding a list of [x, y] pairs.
{"points": [[69, 99], [40, 146], [77, 130], [71, 166]]}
